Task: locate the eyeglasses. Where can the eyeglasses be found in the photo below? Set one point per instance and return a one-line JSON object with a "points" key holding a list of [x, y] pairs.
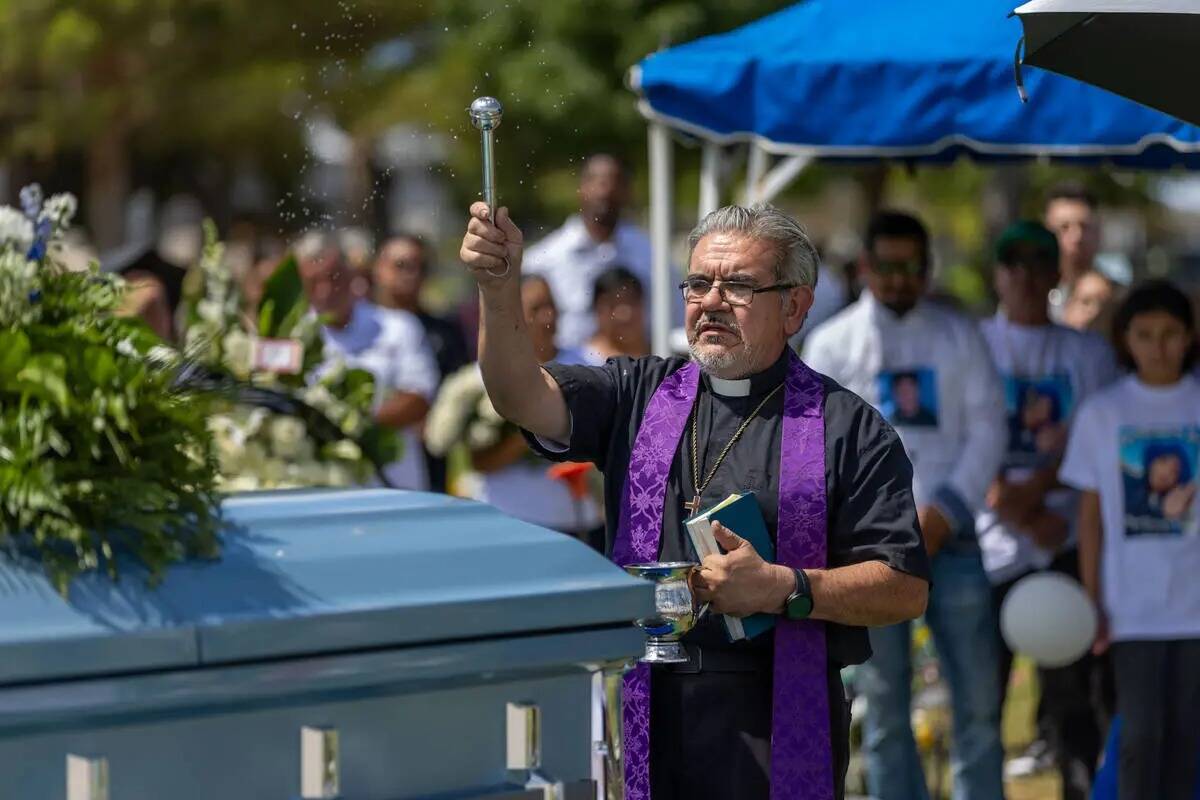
{"points": [[908, 268], [735, 293]]}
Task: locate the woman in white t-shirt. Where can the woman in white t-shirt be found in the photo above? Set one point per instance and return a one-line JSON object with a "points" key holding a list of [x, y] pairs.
{"points": [[1134, 454]]}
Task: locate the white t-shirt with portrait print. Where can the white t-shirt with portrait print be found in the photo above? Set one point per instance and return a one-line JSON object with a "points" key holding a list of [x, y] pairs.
{"points": [[1138, 446], [1047, 371], [391, 345]]}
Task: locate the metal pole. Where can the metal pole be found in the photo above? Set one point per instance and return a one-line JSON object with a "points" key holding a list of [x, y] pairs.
{"points": [[662, 291], [781, 176], [710, 179], [757, 167]]}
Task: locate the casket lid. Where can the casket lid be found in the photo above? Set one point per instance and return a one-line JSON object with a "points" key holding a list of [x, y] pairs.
{"points": [[308, 572]]}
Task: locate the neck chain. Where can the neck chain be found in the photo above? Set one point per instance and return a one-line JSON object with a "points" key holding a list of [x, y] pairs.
{"points": [[693, 506]]}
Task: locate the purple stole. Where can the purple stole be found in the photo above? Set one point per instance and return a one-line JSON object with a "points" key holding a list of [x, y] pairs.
{"points": [[801, 751]]}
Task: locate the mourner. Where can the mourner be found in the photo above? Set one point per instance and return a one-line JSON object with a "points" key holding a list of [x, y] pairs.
{"points": [[928, 370], [1028, 524], [389, 343], [764, 716]]}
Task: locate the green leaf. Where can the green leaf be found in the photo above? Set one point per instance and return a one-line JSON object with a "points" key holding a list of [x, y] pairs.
{"points": [[14, 352], [283, 301], [100, 365], [381, 445], [44, 376]]}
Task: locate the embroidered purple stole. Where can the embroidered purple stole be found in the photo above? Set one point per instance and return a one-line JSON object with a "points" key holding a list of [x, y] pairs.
{"points": [[801, 750]]}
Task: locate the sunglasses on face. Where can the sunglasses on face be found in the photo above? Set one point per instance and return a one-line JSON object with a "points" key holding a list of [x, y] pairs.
{"points": [[910, 269]]}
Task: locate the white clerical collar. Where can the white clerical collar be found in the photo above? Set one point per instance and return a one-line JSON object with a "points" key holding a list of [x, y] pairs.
{"points": [[734, 388]]}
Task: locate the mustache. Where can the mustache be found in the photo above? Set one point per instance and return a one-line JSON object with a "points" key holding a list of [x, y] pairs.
{"points": [[724, 320]]}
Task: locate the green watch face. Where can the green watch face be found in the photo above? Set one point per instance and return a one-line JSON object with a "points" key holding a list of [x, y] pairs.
{"points": [[799, 606]]}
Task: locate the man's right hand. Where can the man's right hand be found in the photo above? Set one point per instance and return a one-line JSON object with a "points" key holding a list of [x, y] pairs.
{"points": [[492, 250]]}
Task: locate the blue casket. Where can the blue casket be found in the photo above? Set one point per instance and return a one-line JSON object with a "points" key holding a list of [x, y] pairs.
{"points": [[366, 645]]}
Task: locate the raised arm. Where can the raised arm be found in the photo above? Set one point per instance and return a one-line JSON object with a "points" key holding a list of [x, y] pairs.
{"points": [[521, 391]]}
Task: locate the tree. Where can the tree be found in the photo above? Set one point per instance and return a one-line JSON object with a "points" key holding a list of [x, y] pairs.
{"points": [[111, 79], [559, 68]]}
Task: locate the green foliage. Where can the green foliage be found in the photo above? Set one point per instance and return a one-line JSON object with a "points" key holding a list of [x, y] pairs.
{"points": [[283, 302], [99, 452], [560, 70]]}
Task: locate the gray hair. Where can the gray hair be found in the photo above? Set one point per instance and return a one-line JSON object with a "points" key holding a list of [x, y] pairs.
{"points": [[795, 256], [314, 242]]}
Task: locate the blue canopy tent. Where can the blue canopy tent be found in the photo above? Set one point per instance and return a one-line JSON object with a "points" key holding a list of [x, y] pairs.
{"points": [[917, 80]]}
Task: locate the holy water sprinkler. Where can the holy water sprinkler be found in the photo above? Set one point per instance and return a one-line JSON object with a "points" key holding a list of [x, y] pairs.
{"points": [[485, 115]]}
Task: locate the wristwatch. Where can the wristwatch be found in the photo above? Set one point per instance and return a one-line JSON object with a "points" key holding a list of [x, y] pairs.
{"points": [[799, 604]]}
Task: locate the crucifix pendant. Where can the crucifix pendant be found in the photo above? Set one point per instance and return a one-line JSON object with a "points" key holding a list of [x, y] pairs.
{"points": [[693, 506]]}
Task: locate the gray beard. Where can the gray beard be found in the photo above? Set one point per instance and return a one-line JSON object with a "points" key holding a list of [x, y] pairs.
{"points": [[726, 365]]}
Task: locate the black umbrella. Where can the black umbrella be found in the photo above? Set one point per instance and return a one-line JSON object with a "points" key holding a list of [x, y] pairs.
{"points": [[1145, 50]]}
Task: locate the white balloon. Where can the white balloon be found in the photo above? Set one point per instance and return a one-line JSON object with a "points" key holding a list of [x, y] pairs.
{"points": [[1048, 617]]}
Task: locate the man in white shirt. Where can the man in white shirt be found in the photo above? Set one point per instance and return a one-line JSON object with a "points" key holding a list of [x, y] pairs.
{"points": [[1028, 525], [928, 371], [390, 344], [1071, 215], [588, 243]]}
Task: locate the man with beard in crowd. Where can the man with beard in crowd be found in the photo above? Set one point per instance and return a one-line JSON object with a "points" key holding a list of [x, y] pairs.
{"points": [[588, 243]]}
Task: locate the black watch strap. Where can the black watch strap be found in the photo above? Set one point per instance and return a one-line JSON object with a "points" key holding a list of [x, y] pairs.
{"points": [[799, 604]]}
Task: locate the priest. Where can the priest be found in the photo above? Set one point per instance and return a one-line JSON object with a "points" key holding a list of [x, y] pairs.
{"points": [[764, 717]]}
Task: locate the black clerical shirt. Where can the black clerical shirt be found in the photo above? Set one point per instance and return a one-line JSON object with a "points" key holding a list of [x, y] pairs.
{"points": [[868, 477]]}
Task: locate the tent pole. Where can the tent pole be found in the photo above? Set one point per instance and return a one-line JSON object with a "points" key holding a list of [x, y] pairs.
{"points": [[780, 177], [661, 291], [755, 169], [710, 178]]}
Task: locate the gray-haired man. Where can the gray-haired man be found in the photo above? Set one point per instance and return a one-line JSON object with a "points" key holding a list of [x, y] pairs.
{"points": [[764, 716], [389, 343]]}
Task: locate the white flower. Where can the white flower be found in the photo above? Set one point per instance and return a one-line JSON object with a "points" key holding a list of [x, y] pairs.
{"points": [[287, 436], [334, 371], [338, 475], [232, 484], [344, 449], [209, 311], [18, 281], [481, 434], [251, 419], [319, 397], [239, 352], [200, 343], [125, 347], [15, 229], [60, 209], [160, 354]]}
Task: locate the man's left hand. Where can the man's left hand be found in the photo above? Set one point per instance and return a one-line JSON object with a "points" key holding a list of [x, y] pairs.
{"points": [[740, 582]]}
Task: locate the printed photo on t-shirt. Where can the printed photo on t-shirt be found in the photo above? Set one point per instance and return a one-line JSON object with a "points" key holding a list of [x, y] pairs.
{"points": [[909, 397], [1038, 411], [1158, 468]]}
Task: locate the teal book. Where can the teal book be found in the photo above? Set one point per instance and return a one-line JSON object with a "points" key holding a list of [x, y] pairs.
{"points": [[739, 513]]}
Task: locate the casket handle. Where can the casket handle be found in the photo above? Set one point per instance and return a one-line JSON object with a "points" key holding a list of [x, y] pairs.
{"points": [[87, 778], [320, 766]]}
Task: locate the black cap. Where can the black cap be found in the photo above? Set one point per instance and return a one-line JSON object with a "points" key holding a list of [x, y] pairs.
{"points": [[1028, 232]]}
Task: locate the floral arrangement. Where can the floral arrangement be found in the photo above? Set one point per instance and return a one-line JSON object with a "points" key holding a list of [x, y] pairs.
{"points": [[310, 425], [462, 413], [102, 449]]}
